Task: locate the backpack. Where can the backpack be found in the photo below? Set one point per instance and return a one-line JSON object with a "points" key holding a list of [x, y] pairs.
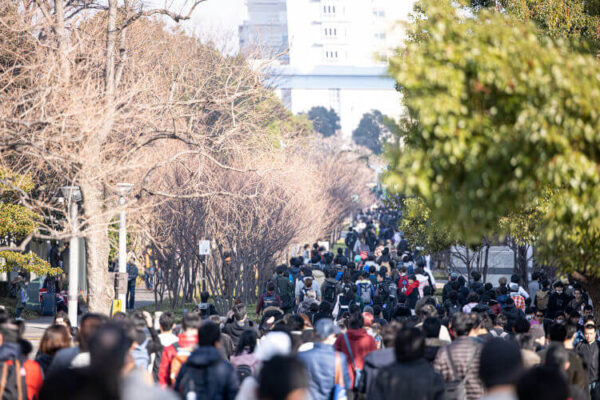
{"points": [[541, 299], [285, 291], [329, 292], [392, 289], [365, 292], [457, 390], [243, 371], [204, 309], [12, 381], [198, 381], [180, 358], [270, 301], [502, 335]]}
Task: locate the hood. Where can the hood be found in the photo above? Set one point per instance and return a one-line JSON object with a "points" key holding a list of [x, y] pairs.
{"points": [[10, 351], [380, 358], [204, 356], [355, 334], [187, 339]]}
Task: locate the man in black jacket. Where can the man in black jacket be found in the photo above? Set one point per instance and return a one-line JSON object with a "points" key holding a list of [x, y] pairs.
{"points": [[411, 377], [589, 351], [558, 300]]}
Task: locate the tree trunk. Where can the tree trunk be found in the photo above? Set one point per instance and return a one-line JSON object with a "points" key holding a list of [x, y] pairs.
{"points": [[97, 247], [593, 288]]}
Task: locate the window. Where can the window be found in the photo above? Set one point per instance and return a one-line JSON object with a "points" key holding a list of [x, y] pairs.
{"points": [[334, 32], [324, 9], [334, 9], [328, 8], [336, 54]]}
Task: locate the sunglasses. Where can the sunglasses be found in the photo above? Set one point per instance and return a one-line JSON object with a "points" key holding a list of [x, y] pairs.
{"points": [[539, 315]]}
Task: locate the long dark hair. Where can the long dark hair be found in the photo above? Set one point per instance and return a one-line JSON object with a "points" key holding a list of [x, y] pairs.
{"points": [[247, 342]]}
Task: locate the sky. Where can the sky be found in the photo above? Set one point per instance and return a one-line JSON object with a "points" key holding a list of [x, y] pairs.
{"points": [[216, 20]]}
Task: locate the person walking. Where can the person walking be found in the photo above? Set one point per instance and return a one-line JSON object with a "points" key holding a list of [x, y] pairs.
{"points": [[175, 355], [411, 377], [459, 361], [132, 274], [589, 351], [323, 362]]}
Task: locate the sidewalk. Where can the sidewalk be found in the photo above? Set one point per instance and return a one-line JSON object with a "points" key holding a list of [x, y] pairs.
{"points": [[34, 328]]}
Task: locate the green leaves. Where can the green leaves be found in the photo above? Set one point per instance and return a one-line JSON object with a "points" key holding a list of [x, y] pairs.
{"points": [[503, 112]]}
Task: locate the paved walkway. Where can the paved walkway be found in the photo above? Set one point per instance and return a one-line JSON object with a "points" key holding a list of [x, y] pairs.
{"points": [[34, 328]]}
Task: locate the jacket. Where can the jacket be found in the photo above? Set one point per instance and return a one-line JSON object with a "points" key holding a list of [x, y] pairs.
{"points": [[361, 344], [590, 354], [169, 353], [221, 382], [320, 363], [235, 330], [261, 301], [557, 302], [415, 380], [461, 350], [432, 347], [375, 362]]}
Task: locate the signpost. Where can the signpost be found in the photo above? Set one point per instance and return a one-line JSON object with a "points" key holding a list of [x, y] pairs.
{"points": [[203, 251]]}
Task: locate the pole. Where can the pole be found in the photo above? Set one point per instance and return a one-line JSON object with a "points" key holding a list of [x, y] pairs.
{"points": [[73, 266], [122, 251]]}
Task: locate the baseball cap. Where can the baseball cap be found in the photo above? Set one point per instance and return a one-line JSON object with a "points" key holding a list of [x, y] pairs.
{"points": [[325, 328]]}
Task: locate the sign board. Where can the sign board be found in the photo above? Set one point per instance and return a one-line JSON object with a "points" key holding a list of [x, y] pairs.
{"points": [[324, 244], [117, 306], [204, 247]]}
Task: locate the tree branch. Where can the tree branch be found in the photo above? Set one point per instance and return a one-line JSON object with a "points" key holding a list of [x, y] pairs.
{"points": [[160, 11]]}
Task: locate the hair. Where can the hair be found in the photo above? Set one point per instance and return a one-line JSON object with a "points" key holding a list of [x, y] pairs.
{"points": [[431, 327], [502, 281], [389, 333], [247, 342], [558, 333], [325, 307], [204, 296], [209, 334], [570, 330], [280, 270], [88, 325], [270, 286], [280, 376], [166, 321], [356, 321], [488, 286], [543, 383], [294, 322], [500, 363], [525, 341], [409, 345], [56, 337], [191, 320], [462, 324], [239, 312], [501, 320], [427, 291], [557, 357], [588, 307], [476, 276], [472, 298], [377, 310], [65, 318], [308, 283], [521, 325]]}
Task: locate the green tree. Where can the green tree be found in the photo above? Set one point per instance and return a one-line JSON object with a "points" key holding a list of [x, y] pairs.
{"points": [[504, 113], [370, 130], [325, 121], [420, 230], [17, 223]]}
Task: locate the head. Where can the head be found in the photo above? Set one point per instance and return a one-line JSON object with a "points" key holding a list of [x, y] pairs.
{"points": [[166, 322], [204, 297], [559, 287], [476, 276], [270, 287], [500, 363], [240, 312], [247, 342], [461, 324], [502, 281], [55, 338], [62, 318], [557, 357], [558, 333], [431, 327], [389, 334], [589, 330], [356, 321], [88, 325], [588, 311], [191, 322], [326, 330], [539, 316], [209, 334], [109, 345], [409, 345], [542, 383], [282, 378]]}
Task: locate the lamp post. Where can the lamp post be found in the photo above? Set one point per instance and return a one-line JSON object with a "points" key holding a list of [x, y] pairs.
{"points": [[124, 190], [72, 194]]}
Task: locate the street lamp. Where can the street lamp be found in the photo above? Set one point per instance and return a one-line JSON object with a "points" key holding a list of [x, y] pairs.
{"points": [[124, 190], [72, 194]]}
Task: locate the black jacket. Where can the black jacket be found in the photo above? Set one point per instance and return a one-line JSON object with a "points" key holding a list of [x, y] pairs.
{"points": [[557, 302], [234, 330], [209, 373], [590, 354], [414, 380], [375, 361]]}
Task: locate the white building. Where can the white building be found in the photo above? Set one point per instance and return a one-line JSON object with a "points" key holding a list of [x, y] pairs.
{"points": [[337, 55]]}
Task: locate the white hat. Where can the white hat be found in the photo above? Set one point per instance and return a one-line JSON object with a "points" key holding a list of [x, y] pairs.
{"points": [[273, 344]]}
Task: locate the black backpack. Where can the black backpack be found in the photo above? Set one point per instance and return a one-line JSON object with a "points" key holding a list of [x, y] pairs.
{"points": [[284, 290], [243, 371], [270, 301], [198, 380], [329, 292]]}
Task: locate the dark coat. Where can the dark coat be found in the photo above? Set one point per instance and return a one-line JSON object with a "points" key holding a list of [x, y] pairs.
{"points": [[414, 380], [375, 361], [221, 380], [234, 330]]}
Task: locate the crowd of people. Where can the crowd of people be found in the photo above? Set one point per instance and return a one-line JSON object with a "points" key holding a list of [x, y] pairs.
{"points": [[363, 323]]}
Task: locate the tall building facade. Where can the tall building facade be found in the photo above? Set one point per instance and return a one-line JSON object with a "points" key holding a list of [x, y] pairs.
{"points": [[265, 32], [338, 53]]}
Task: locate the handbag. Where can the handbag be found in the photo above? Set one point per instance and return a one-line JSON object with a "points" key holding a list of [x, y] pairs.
{"points": [[339, 391], [359, 375], [456, 390]]}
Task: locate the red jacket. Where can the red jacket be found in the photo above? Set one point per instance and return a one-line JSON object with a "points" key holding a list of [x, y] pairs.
{"points": [[164, 370], [361, 344], [410, 288], [261, 301], [33, 378]]}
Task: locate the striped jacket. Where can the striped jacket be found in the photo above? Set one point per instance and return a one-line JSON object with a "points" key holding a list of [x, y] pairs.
{"points": [[461, 349]]}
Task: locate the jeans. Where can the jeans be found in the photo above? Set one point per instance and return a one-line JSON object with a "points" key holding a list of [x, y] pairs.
{"points": [[149, 280], [130, 298]]}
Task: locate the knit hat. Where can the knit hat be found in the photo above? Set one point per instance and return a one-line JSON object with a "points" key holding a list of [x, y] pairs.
{"points": [[500, 363]]}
